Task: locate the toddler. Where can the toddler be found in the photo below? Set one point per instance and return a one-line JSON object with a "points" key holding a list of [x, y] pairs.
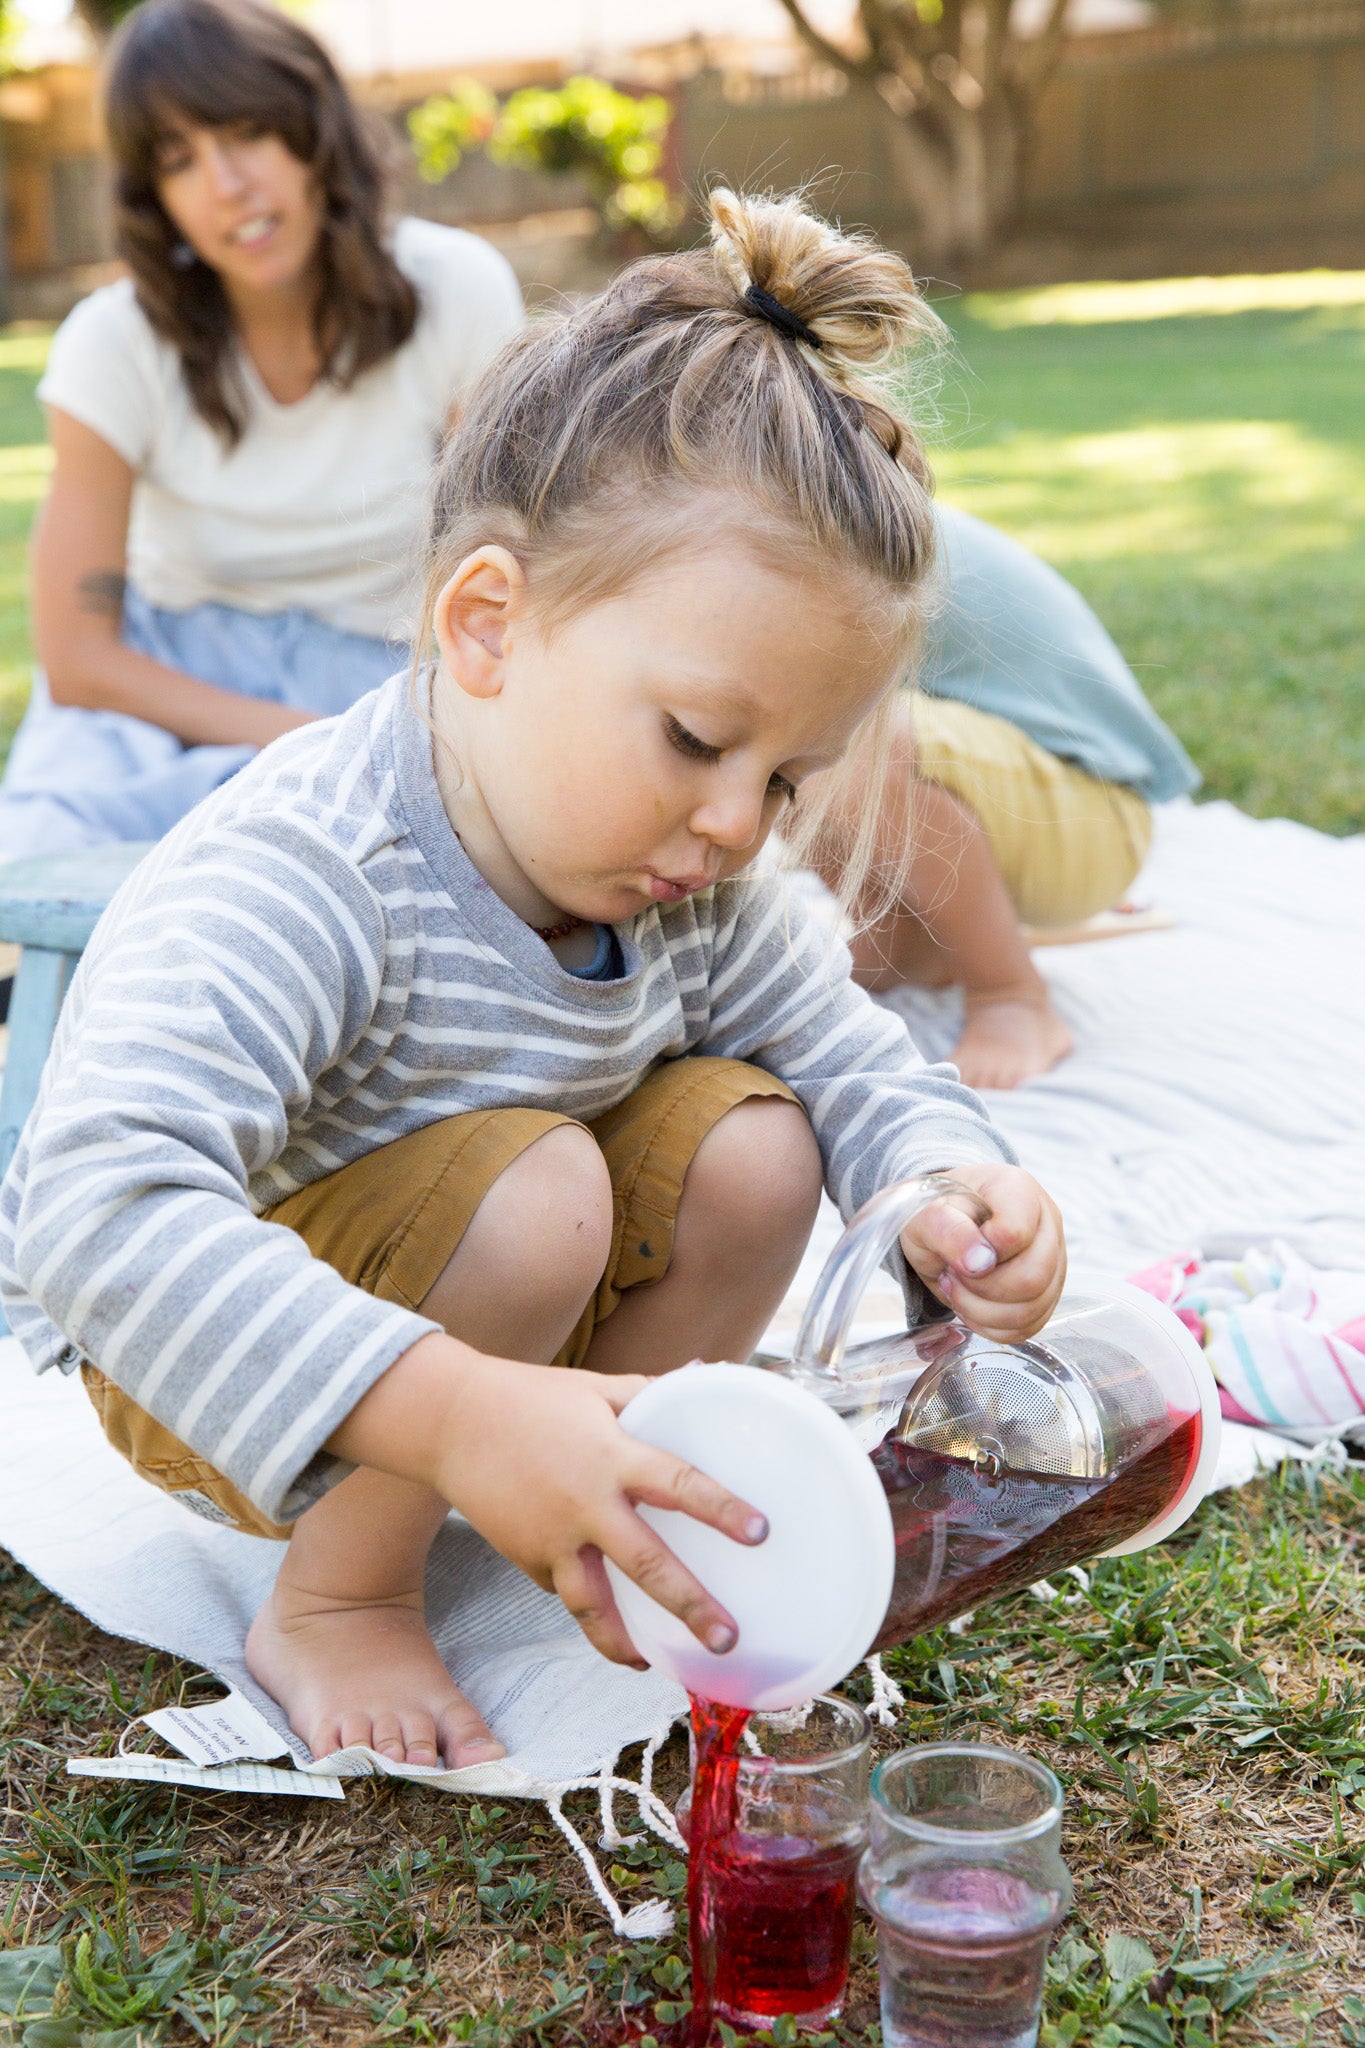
{"points": [[458, 1040]]}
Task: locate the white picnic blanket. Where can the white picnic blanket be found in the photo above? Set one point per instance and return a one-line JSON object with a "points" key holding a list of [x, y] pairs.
{"points": [[1216, 1098]]}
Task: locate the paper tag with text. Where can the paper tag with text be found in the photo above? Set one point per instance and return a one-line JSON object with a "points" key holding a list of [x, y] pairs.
{"points": [[226, 1731], [164, 1770]]}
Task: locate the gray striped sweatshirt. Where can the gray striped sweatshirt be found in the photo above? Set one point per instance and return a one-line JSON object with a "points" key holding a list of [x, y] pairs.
{"points": [[309, 967]]}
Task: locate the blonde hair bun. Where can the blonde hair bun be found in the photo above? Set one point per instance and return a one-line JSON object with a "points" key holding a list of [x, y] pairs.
{"points": [[859, 300]]}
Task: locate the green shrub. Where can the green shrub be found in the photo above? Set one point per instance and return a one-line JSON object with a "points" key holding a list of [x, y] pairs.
{"points": [[610, 139]]}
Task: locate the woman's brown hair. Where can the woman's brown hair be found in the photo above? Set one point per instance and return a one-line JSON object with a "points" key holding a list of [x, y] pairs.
{"points": [[220, 64], [751, 390]]}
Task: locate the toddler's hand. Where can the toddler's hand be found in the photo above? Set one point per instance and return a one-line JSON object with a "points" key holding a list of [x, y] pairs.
{"points": [[1004, 1278], [541, 1467]]}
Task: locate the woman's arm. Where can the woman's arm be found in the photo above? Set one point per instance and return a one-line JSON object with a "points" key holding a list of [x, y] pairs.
{"points": [[80, 542]]}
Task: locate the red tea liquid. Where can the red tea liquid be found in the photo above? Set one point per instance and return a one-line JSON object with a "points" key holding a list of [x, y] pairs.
{"points": [[784, 1915], [964, 1537], [716, 1732], [771, 1915]]}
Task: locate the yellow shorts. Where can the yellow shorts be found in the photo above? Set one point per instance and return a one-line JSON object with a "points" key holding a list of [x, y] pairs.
{"points": [[1067, 844], [389, 1223]]}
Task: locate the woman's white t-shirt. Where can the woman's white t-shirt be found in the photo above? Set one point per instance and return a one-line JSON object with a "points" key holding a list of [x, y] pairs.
{"points": [[321, 504]]}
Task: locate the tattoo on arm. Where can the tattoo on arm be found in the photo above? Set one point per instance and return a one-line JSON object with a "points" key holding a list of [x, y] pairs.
{"points": [[103, 592]]}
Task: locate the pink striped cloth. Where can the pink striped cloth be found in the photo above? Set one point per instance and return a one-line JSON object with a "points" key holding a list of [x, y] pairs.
{"points": [[1286, 1340]]}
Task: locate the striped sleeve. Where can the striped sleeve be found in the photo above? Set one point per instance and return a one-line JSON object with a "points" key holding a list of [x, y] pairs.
{"points": [[782, 996], [232, 978]]}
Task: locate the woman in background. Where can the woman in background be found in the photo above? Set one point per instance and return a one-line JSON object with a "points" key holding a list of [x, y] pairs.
{"points": [[242, 428]]}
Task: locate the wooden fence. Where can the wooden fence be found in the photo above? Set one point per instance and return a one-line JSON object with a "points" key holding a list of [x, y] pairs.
{"points": [[1236, 143]]}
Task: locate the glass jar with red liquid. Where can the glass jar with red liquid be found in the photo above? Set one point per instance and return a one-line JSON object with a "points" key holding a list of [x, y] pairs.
{"points": [[781, 1822]]}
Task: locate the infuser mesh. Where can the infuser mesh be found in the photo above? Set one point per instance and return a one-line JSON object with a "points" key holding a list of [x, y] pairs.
{"points": [[992, 1403], [1007, 1503], [1118, 1378]]}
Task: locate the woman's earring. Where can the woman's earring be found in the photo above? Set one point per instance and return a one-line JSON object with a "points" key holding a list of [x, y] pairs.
{"points": [[183, 257]]}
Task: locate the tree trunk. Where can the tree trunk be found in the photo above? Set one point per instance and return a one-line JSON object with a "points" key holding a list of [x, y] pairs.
{"points": [[960, 168], [959, 100]]}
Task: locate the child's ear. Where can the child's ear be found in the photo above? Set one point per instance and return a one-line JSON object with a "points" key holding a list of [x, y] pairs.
{"points": [[472, 616]]}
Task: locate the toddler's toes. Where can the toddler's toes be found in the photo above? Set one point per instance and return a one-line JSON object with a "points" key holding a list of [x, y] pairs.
{"points": [[387, 1737], [323, 1739], [355, 1730], [466, 1737], [419, 1739]]}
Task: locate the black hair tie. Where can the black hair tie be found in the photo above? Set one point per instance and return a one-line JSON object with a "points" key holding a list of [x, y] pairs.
{"points": [[781, 317]]}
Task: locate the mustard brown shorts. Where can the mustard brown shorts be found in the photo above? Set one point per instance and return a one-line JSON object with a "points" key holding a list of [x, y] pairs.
{"points": [[1066, 843], [389, 1223]]}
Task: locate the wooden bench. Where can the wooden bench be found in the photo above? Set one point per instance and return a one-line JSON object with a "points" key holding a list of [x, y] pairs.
{"points": [[48, 908]]}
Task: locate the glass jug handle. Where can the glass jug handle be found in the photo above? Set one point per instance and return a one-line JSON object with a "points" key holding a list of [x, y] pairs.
{"points": [[828, 1319]]}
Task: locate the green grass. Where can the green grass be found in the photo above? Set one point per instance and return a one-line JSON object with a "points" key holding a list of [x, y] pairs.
{"points": [[1192, 456]]}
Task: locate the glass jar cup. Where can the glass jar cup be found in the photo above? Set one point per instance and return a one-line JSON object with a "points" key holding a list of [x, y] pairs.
{"points": [[964, 1877], [772, 1904]]}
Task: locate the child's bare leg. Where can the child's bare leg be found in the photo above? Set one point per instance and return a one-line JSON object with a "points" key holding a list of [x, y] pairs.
{"points": [[956, 923], [342, 1642], [748, 1203]]}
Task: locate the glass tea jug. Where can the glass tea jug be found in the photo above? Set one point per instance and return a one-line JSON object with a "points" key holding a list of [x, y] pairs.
{"points": [[910, 1479], [1003, 1463]]}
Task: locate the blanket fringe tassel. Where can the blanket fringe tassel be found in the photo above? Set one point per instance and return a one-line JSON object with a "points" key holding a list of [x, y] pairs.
{"points": [[649, 1919], [887, 1697]]}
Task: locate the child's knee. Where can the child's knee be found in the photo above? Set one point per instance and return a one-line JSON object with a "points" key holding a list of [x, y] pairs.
{"points": [[538, 1242], [555, 1203], [759, 1170]]}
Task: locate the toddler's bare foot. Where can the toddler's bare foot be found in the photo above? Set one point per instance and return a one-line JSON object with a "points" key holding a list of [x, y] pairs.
{"points": [[1008, 1039], [365, 1674]]}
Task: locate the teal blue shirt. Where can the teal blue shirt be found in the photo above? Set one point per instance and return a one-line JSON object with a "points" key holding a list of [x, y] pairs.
{"points": [[1015, 638]]}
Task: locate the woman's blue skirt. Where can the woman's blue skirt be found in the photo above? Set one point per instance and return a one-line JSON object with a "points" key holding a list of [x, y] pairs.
{"points": [[81, 778]]}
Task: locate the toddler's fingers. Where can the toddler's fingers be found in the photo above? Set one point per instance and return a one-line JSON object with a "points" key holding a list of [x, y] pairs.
{"points": [[582, 1584], [1019, 1313], [659, 1480], [942, 1237], [1027, 1275], [643, 1556], [1018, 1207], [1004, 1325]]}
